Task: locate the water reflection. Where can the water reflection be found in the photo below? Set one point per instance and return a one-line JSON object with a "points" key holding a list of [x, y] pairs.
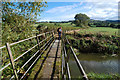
{"points": [[96, 63]]}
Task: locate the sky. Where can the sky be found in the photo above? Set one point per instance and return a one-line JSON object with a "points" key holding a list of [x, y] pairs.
{"points": [[66, 10]]}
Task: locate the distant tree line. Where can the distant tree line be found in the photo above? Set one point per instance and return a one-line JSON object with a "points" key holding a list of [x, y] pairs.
{"points": [[107, 23]]}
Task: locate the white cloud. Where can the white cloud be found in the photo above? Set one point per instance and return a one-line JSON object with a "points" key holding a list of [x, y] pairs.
{"points": [[82, 0], [61, 9], [101, 0], [103, 10], [95, 10]]}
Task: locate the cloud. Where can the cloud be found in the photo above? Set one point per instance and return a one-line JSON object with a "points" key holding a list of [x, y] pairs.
{"points": [[62, 9], [82, 0], [95, 10], [103, 10], [101, 1]]}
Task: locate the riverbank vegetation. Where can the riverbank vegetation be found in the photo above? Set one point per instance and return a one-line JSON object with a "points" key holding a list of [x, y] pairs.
{"points": [[91, 41], [102, 76]]}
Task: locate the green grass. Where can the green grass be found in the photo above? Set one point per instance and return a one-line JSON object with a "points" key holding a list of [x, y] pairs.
{"points": [[65, 26], [101, 30], [93, 30], [103, 76]]}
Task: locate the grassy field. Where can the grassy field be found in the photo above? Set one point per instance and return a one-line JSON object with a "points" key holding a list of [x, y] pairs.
{"points": [[101, 30], [69, 26], [54, 26]]}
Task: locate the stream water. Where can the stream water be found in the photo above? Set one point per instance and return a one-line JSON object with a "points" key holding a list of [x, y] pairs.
{"points": [[97, 63]]}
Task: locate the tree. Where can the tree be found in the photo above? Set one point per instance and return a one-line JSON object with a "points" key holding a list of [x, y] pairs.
{"points": [[81, 19], [118, 26], [112, 25], [18, 18], [29, 10]]}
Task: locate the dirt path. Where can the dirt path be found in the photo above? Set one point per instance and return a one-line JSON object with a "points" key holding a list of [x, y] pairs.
{"points": [[72, 31]]}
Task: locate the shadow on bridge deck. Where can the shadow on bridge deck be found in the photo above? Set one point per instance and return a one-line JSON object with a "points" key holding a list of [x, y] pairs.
{"points": [[48, 67]]}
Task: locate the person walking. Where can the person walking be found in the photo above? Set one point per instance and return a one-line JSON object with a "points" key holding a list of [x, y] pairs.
{"points": [[59, 30]]}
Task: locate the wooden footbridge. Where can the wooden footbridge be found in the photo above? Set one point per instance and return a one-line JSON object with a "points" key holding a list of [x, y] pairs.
{"points": [[49, 62]]}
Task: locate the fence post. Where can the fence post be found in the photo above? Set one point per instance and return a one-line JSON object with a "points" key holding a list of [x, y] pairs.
{"points": [[74, 33], [11, 60], [45, 34], [52, 33], [38, 41]]}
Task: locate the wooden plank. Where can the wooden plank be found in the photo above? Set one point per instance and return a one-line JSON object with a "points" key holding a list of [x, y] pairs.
{"points": [[49, 42]]}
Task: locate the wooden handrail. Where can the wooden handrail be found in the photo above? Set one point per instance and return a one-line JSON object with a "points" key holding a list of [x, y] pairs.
{"points": [[24, 53], [24, 40]]}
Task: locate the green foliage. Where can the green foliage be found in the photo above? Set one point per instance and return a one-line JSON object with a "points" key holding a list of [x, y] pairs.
{"points": [[18, 18], [112, 25], [102, 76], [100, 30], [81, 20], [98, 23], [95, 43], [55, 26], [29, 10]]}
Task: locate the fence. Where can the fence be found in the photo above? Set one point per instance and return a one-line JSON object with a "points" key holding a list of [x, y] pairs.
{"points": [[40, 50], [65, 59]]}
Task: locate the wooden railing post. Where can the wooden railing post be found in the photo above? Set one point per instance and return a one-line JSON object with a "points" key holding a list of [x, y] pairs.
{"points": [[38, 41], [53, 34], [11, 60], [45, 35], [74, 33]]}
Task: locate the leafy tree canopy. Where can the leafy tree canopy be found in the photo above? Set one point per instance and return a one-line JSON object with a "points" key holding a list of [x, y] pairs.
{"points": [[81, 19], [18, 18], [29, 10]]}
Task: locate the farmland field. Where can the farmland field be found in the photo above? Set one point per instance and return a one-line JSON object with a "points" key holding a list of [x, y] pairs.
{"points": [[102, 30], [65, 26], [93, 30]]}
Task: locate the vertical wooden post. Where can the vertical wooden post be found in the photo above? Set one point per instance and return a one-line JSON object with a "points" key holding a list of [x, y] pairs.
{"points": [[45, 35], [53, 34], [49, 33], [38, 41], [11, 60], [74, 32], [115, 33]]}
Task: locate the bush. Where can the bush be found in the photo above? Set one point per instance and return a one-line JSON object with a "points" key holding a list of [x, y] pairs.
{"points": [[100, 44]]}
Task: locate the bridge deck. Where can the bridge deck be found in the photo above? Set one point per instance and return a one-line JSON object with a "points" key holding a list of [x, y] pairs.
{"points": [[49, 65]]}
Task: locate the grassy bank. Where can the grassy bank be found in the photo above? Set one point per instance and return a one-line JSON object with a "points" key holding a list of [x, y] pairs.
{"points": [[92, 41], [101, 76]]}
